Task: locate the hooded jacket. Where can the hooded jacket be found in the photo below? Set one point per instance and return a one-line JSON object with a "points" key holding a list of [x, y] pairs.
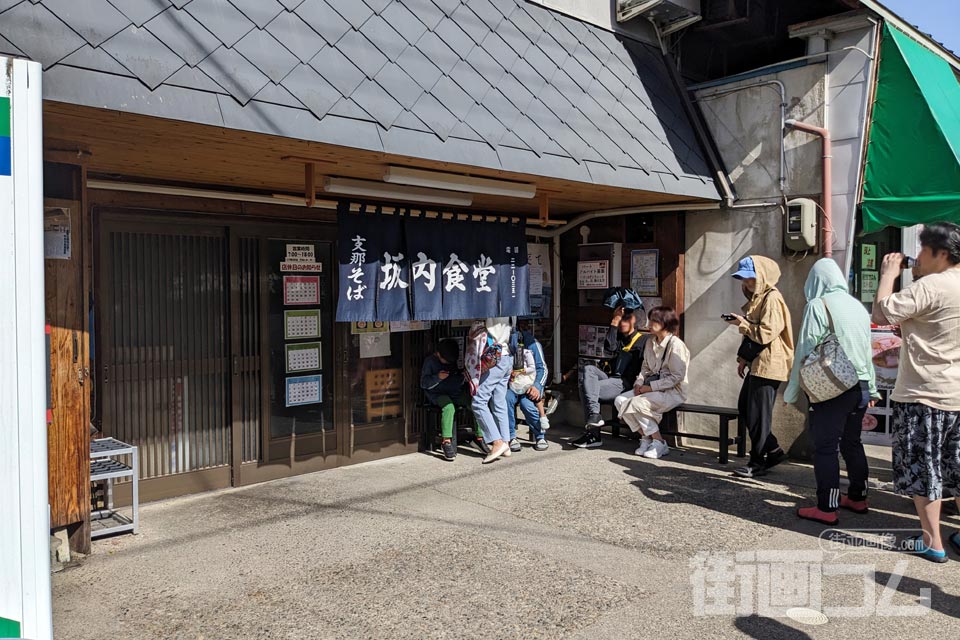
{"points": [[851, 323], [767, 321]]}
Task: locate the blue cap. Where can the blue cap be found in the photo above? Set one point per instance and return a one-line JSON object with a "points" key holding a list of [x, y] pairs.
{"points": [[745, 269]]}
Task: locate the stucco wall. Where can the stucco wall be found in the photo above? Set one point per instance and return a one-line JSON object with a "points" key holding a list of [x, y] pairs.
{"points": [[746, 127]]}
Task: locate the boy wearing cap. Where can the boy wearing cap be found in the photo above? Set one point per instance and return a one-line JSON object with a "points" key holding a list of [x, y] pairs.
{"points": [[623, 348], [764, 359]]}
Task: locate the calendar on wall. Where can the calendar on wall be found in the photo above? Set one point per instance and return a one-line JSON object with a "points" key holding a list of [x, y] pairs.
{"points": [[299, 324], [300, 290], [303, 390], [303, 357]]}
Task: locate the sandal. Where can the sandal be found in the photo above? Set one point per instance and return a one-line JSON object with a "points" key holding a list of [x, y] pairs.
{"points": [[916, 546]]}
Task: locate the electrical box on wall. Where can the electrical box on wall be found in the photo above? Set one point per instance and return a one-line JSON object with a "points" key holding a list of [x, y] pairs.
{"points": [[800, 225], [599, 266]]}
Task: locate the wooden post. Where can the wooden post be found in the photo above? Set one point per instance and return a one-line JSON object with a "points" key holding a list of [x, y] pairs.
{"points": [[310, 183]]}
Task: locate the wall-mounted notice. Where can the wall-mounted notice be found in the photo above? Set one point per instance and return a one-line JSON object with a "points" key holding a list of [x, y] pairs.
{"points": [[303, 356], [300, 290], [869, 282], [868, 257], [413, 325], [57, 236], [358, 328], [593, 274], [301, 323], [375, 345], [301, 258], [645, 272], [303, 390]]}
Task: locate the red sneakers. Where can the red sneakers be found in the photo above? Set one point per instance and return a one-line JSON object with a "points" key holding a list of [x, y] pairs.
{"points": [[857, 506], [813, 513]]}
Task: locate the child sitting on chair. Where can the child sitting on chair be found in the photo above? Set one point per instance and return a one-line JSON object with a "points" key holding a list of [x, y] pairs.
{"points": [[443, 385]]}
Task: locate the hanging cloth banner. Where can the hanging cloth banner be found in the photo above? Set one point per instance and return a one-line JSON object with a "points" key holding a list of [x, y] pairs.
{"points": [[426, 255], [393, 279], [514, 273], [429, 269], [359, 258]]}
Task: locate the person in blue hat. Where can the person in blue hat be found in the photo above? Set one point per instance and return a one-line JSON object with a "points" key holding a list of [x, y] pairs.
{"points": [[763, 360]]}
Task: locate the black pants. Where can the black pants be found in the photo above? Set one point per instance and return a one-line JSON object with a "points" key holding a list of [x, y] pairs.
{"points": [[836, 424], [757, 397]]}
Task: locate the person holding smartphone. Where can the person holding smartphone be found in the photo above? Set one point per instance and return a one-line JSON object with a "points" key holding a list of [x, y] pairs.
{"points": [[764, 359]]}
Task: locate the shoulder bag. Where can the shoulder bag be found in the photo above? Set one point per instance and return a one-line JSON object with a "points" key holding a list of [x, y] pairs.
{"points": [[827, 372]]}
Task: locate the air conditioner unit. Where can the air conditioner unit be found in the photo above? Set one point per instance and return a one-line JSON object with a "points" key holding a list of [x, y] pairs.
{"points": [[668, 15]]}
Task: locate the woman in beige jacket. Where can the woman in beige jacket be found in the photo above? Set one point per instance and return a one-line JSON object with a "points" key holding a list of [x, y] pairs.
{"points": [[764, 359], [661, 386]]}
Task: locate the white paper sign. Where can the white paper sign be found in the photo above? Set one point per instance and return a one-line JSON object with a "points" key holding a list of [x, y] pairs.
{"points": [[374, 345], [593, 274]]}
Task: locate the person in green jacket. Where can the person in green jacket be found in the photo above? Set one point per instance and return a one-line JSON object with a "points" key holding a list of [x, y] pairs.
{"points": [[836, 423]]}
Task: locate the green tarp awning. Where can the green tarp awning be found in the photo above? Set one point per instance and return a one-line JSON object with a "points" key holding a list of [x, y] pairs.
{"points": [[913, 158]]}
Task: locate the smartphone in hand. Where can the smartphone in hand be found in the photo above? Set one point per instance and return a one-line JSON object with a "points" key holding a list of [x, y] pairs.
{"points": [[727, 317]]}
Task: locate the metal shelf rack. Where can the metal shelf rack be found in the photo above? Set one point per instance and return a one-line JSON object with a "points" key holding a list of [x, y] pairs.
{"points": [[105, 467]]}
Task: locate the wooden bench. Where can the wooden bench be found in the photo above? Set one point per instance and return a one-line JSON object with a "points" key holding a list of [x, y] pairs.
{"points": [[724, 413]]}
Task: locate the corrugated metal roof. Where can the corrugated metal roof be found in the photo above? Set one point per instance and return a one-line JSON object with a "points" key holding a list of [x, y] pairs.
{"points": [[500, 84]]}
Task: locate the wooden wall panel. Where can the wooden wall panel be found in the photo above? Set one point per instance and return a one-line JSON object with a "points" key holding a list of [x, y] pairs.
{"points": [[68, 439]]}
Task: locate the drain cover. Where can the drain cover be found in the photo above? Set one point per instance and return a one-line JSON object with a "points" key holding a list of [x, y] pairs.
{"points": [[807, 616]]}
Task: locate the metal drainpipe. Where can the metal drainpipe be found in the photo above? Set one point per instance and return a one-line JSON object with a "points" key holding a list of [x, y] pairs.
{"points": [[557, 369], [783, 118], [827, 181]]}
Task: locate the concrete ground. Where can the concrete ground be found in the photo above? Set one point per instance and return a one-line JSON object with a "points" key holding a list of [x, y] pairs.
{"points": [[562, 544]]}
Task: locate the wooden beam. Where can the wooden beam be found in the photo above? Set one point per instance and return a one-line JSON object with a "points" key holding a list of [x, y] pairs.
{"points": [[310, 175], [544, 210]]}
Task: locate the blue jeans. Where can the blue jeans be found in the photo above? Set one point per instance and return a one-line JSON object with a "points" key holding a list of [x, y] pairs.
{"points": [[530, 413], [490, 402]]}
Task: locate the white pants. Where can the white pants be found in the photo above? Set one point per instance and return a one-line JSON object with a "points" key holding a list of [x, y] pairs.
{"points": [[636, 421]]}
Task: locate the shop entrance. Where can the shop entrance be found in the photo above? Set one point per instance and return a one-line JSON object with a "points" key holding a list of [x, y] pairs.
{"points": [[216, 349]]}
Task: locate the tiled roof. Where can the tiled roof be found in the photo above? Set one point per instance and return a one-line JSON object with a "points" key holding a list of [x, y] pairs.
{"points": [[499, 84]]}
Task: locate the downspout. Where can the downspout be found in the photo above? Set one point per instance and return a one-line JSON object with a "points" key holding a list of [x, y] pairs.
{"points": [[557, 370], [827, 181]]}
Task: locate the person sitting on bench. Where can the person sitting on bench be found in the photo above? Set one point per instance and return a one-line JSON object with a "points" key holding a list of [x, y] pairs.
{"points": [[444, 386], [662, 385], [624, 349]]}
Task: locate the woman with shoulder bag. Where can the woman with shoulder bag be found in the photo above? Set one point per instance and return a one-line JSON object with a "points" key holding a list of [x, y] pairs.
{"points": [[488, 364], [661, 386], [834, 368], [763, 360]]}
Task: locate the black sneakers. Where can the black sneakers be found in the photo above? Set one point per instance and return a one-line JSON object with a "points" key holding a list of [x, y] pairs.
{"points": [[594, 421], [752, 470], [482, 446], [449, 451], [589, 440], [774, 458]]}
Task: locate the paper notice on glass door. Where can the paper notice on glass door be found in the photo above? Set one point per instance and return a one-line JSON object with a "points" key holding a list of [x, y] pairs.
{"points": [[374, 345]]}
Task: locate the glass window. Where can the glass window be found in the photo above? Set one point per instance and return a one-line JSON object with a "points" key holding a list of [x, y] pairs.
{"points": [[376, 377]]}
